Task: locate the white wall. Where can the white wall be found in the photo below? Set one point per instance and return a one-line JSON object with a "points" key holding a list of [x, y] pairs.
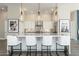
{"points": [[13, 10], [74, 25], [64, 12], [47, 26], [29, 26], [34, 17], [13, 13], [2, 23]]}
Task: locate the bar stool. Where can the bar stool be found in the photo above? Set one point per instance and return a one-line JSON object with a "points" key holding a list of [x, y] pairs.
{"points": [[13, 41], [46, 42], [64, 40], [31, 42]]}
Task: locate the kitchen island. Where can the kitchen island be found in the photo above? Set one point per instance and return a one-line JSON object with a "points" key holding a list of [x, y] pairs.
{"points": [[55, 38]]}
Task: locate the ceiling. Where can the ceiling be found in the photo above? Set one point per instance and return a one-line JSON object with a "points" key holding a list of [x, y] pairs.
{"points": [[3, 8], [33, 7]]}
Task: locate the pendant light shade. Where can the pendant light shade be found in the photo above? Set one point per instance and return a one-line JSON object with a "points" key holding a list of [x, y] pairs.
{"points": [[39, 11], [21, 14]]}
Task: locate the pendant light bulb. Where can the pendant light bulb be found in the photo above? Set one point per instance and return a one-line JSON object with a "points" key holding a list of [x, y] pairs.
{"points": [[21, 13]]}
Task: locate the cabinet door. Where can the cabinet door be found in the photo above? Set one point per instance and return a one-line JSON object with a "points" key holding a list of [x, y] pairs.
{"points": [[3, 46], [2, 25], [77, 24]]}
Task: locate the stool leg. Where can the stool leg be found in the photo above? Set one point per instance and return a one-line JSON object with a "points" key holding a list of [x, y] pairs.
{"points": [[65, 50], [56, 50], [30, 50], [27, 52], [11, 51], [50, 52], [20, 49], [47, 51], [41, 51], [36, 51]]}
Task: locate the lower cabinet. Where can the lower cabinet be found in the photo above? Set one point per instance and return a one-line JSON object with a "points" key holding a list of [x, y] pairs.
{"points": [[3, 47]]}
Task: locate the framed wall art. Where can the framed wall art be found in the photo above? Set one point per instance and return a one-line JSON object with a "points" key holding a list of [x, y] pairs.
{"points": [[64, 26], [13, 25]]}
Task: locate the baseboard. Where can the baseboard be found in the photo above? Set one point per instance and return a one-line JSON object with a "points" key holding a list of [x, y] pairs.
{"points": [[3, 54]]}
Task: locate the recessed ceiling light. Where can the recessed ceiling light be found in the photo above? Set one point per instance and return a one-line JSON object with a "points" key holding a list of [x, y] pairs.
{"points": [[24, 9], [2, 8], [51, 9], [31, 11]]}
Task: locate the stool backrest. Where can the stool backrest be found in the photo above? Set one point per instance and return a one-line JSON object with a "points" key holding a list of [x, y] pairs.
{"points": [[12, 40], [47, 40], [30, 40], [64, 40]]}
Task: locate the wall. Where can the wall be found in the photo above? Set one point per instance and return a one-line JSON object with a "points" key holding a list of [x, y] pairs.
{"points": [[13, 13], [3, 47], [74, 24], [64, 12], [3, 41], [29, 26], [2, 25], [47, 24], [34, 17]]}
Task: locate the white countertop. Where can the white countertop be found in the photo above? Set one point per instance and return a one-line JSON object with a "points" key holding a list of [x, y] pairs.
{"points": [[38, 34]]}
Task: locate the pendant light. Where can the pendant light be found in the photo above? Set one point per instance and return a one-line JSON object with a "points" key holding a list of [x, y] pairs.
{"points": [[38, 11], [21, 13]]}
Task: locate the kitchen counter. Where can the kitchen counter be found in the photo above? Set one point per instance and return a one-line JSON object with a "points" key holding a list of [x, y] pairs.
{"points": [[39, 40], [39, 34]]}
